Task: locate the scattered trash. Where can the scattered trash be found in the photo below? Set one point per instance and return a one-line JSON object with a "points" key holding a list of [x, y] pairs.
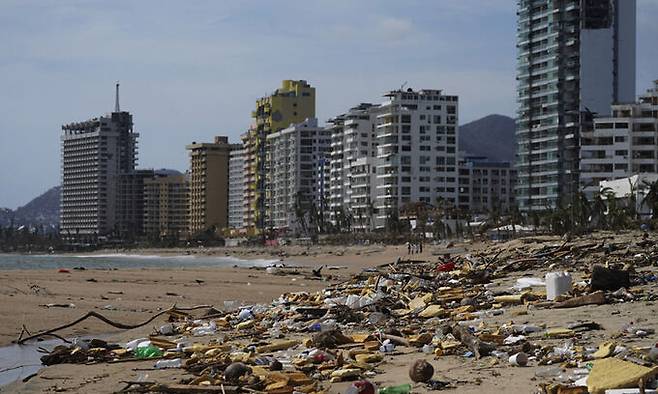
{"points": [[401, 389], [557, 283], [421, 371], [519, 359], [612, 373], [609, 279], [174, 363], [148, 351], [461, 307], [58, 305]]}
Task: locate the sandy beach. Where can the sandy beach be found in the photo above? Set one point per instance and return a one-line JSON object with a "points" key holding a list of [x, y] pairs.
{"points": [[132, 295], [129, 295]]}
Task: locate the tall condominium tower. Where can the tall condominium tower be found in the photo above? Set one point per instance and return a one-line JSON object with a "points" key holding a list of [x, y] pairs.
{"points": [[417, 134], [353, 155], [98, 162], [236, 188], [295, 155], [208, 198], [292, 103], [575, 58]]}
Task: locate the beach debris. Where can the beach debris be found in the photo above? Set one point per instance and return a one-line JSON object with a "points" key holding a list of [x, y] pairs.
{"points": [[519, 359], [235, 371], [479, 307], [361, 387], [400, 389], [421, 371], [54, 305], [609, 278], [92, 314], [612, 373], [596, 298], [557, 283]]}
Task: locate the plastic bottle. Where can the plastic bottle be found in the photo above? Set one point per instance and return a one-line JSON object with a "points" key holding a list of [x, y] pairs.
{"points": [[245, 314], [149, 351], [132, 345], [387, 346], [401, 389], [549, 372], [173, 363]]}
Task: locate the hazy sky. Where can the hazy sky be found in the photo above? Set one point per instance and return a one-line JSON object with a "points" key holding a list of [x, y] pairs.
{"points": [[193, 69]]}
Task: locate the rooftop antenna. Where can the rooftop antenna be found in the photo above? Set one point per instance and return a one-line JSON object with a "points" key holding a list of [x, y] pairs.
{"points": [[116, 103], [403, 85]]}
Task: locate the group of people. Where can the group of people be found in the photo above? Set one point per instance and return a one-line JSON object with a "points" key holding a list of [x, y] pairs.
{"points": [[414, 247]]}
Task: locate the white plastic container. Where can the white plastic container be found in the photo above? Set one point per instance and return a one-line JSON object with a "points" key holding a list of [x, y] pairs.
{"points": [[557, 283], [519, 359], [164, 364]]}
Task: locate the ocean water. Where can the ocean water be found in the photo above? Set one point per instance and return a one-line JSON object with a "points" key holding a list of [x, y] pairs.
{"points": [[111, 261]]}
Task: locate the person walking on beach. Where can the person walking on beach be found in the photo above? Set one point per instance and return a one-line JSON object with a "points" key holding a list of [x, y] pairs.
{"points": [[420, 246], [408, 247]]}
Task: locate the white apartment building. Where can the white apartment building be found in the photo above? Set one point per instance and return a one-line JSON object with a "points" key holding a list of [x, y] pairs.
{"points": [[353, 142], [293, 163], [624, 144], [485, 186], [236, 183], [417, 149]]}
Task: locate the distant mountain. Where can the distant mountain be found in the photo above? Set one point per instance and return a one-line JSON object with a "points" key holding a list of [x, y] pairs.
{"points": [[43, 210], [492, 136]]}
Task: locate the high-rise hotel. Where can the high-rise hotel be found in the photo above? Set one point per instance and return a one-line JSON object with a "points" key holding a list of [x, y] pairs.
{"points": [[575, 59], [98, 164]]}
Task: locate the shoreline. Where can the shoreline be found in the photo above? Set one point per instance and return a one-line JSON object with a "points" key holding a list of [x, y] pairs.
{"points": [[128, 294]]}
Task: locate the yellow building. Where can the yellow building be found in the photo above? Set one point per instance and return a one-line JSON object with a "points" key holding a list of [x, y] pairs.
{"points": [[208, 182], [165, 205], [293, 103]]}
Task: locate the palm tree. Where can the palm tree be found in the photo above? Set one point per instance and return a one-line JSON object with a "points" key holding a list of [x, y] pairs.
{"points": [[599, 208], [616, 214], [299, 207], [631, 208]]}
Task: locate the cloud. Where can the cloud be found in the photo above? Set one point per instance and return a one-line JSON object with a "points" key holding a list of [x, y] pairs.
{"points": [[191, 70], [396, 28]]}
